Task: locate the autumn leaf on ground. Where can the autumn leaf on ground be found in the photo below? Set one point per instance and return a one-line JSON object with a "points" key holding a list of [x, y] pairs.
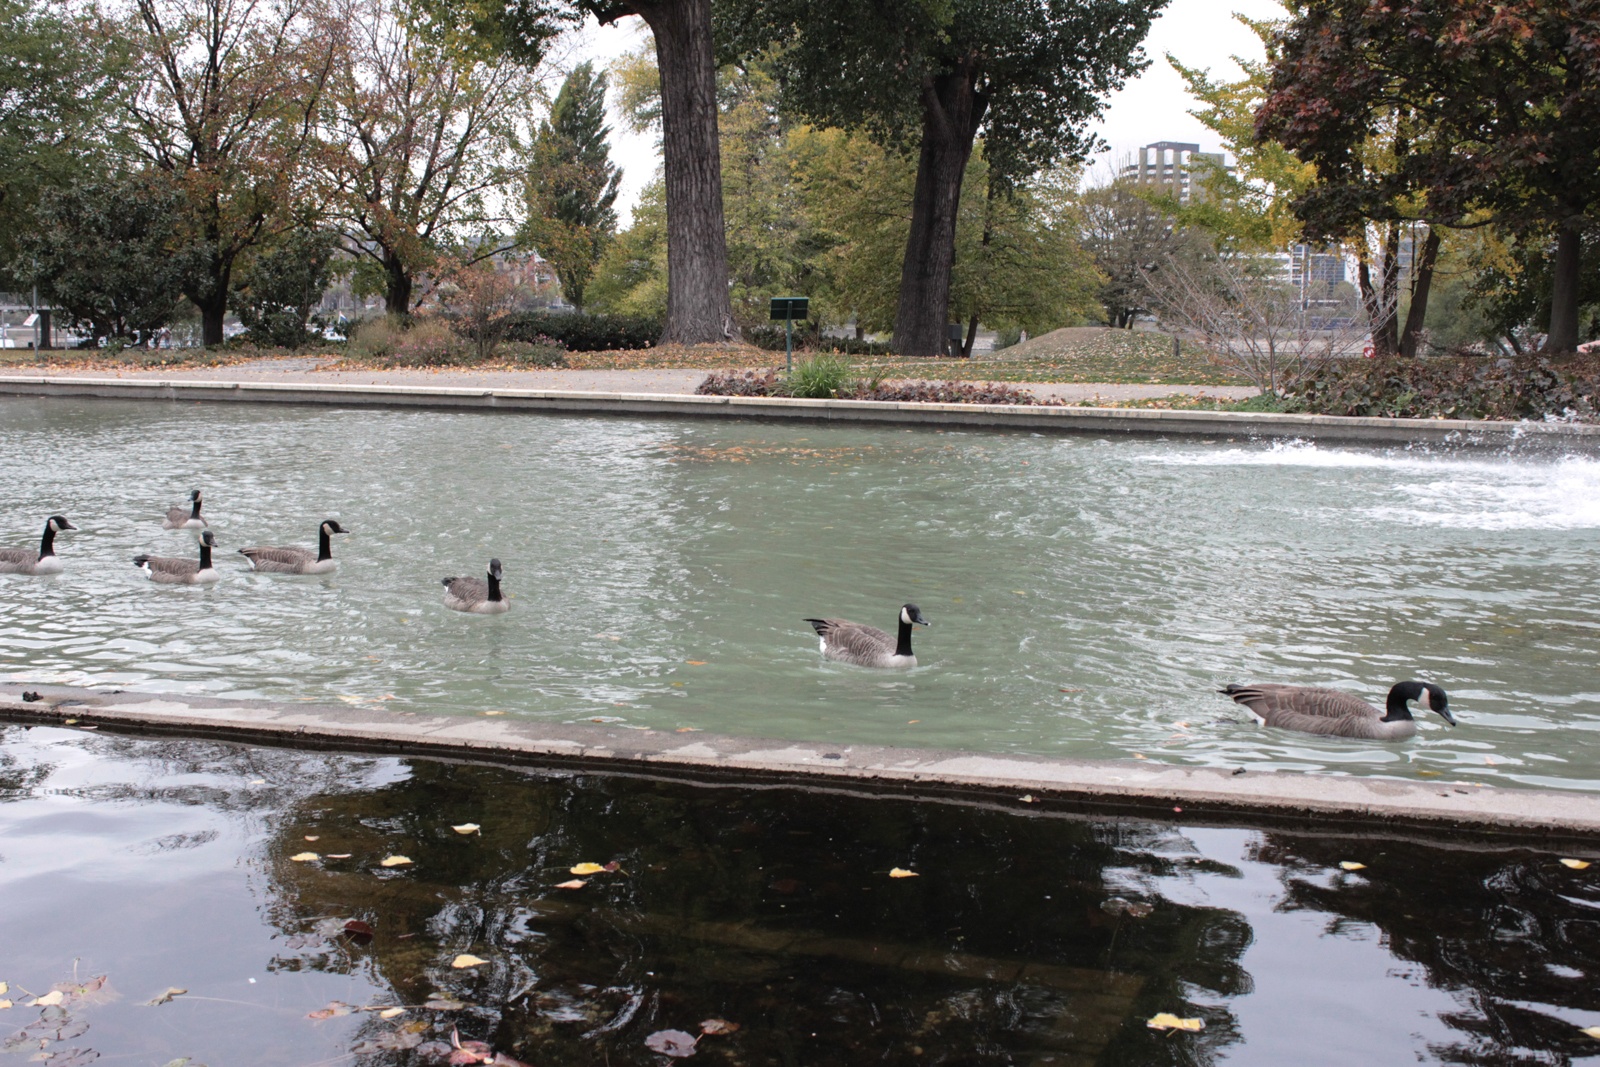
{"points": [[304, 857], [395, 861], [1576, 865], [576, 883], [162, 998], [901, 872], [1168, 1021], [1352, 865], [717, 1026], [467, 959], [587, 868], [674, 1043], [466, 828]]}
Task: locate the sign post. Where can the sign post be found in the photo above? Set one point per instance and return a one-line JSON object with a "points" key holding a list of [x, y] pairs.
{"points": [[786, 309]]}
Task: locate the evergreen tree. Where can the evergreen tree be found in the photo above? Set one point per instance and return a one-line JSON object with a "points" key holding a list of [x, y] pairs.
{"points": [[572, 183]]}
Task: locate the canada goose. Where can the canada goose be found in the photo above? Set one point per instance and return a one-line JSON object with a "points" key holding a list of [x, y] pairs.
{"points": [[44, 561], [182, 571], [868, 646], [181, 518], [476, 595], [296, 560], [1338, 714]]}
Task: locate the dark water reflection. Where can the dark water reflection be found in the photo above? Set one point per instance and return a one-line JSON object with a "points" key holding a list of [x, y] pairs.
{"points": [[168, 864]]}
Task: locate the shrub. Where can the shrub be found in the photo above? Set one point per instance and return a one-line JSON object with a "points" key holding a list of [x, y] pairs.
{"points": [[771, 383], [820, 378], [425, 343], [544, 353], [771, 339], [580, 332], [1457, 387]]}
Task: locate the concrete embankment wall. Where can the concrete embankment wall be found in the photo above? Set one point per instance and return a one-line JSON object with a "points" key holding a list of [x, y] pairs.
{"points": [[1081, 788], [1444, 433]]}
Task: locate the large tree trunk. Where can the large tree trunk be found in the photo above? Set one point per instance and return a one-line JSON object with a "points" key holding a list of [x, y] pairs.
{"points": [[698, 308], [952, 108], [1564, 295], [1421, 284], [398, 286], [209, 295]]}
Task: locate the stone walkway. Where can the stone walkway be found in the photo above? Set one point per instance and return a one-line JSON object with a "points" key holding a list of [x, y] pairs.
{"points": [[306, 371]]}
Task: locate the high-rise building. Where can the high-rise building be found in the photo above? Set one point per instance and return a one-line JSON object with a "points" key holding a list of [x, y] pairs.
{"points": [[1173, 164]]}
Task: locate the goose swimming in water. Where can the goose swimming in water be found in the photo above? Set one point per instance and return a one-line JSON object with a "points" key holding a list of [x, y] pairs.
{"points": [[181, 518], [1338, 714], [868, 646], [296, 560], [476, 595], [44, 561], [182, 571]]}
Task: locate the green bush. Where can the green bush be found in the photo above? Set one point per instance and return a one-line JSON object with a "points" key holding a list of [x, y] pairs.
{"points": [[820, 378], [580, 332], [387, 342], [530, 354], [771, 339]]}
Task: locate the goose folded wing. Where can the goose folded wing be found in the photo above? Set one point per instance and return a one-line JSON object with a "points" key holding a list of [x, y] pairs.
{"points": [[288, 557]]}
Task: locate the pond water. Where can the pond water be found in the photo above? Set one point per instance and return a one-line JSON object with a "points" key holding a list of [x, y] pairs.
{"points": [[133, 867], [1087, 595]]}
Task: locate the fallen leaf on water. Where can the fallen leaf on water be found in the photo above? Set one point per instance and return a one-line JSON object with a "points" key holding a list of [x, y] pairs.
{"points": [[1130, 908], [391, 1013], [304, 857], [172, 991], [69, 722], [695, 662], [467, 959], [258, 781], [587, 868], [1140, 755], [4, 1004], [717, 1026], [1026, 798], [576, 883], [494, 713], [674, 1043], [335, 1008], [395, 861], [613, 866], [338, 855], [49, 1000], [359, 932], [901, 872], [313, 837], [444, 1004], [687, 730], [466, 828], [912, 722], [1592, 1031], [4, 988], [1429, 774], [1576, 865], [1351, 865], [676, 685], [1168, 1021]]}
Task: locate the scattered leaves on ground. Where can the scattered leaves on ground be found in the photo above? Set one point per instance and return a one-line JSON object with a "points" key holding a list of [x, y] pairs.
{"points": [[467, 959], [395, 861], [901, 872], [1168, 1021], [674, 1043]]}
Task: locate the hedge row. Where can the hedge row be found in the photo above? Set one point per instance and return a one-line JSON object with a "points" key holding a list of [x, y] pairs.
{"points": [[774, 383], [584, 333], [1455, 387]]}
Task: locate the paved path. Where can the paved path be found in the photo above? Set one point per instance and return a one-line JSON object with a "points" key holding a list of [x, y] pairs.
{"points": [[307, 371]]}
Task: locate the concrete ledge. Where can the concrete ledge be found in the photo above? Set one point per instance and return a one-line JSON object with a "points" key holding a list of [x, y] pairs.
{"points": [[1447, 433], [1049, 786]]}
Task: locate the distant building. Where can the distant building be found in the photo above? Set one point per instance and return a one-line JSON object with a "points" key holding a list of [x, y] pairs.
{"points": [[1172, 164]]}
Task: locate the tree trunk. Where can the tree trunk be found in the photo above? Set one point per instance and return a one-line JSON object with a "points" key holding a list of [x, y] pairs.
{"points": [[1564, 296], [398, 286], [972, 337], [1381, 303], [1421, 283], [698, 308], [952, 108]]}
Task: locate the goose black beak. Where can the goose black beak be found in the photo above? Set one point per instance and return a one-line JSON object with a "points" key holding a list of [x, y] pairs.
{"points": [[1446, 716]]}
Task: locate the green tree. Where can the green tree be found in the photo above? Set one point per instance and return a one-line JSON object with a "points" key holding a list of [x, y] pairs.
{"points": [[281, 285], [572, 184], [111, 252], [1504, 96], [631, 277], [1028, 76], [54, 100]]}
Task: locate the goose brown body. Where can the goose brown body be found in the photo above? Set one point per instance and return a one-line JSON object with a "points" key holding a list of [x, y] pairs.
{"points": [[185, 518], [868, 646], [292, 559], [477, 596], [1335, 713], [41, 561], [170, 570]]}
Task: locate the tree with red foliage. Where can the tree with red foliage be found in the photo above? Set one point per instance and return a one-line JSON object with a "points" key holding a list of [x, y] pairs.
{"points": [[1502, 96]]}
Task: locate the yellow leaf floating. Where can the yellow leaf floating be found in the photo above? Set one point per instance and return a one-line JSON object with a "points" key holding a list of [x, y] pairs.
{"points": [[391, 1013], [4, 988], [467, 959], [395, 861], [576, 883], [304, 857], [4, 1004], [312, 837], [901, 872], [1576, 865], [587, 868], [49, 1000], [1168, 1021], [1351, 865], [1592, 1031], [466, 828]]}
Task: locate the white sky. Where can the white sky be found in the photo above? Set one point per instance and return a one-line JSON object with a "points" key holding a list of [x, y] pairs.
{"points": [[1153, 107]]}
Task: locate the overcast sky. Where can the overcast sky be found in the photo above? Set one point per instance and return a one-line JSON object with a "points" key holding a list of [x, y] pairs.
{"points": [[1153, 107]]}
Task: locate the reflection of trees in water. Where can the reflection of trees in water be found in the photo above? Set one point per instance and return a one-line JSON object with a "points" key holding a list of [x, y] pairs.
{"points": [[768, 907], [1513, 935]]}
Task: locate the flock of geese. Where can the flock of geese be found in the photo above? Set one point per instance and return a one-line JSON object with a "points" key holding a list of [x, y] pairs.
{"points": [[1312, 710]]}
